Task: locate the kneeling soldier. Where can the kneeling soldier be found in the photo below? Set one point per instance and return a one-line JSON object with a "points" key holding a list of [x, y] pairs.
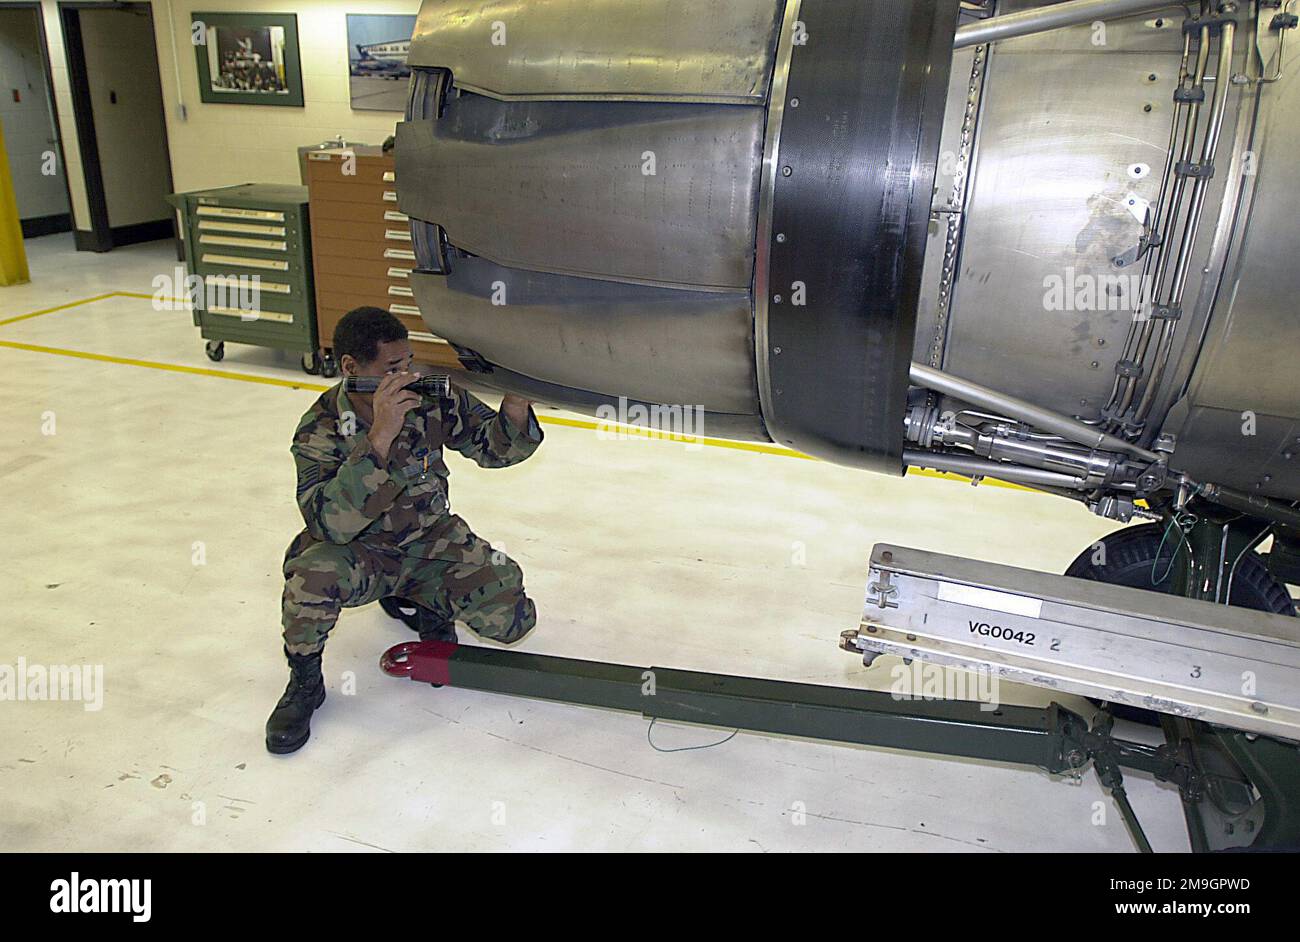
{"points": [[372, 487]]}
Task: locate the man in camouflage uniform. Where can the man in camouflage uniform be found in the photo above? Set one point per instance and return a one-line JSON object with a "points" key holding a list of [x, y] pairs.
{"points": [[372, 488]]}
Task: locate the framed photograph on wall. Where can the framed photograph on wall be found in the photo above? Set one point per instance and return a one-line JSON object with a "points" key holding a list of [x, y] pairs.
{"points": [[377, 69], [248, 58]]}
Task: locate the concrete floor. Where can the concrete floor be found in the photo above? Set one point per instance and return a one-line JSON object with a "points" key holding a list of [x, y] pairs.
{"points": [[645, 553]]}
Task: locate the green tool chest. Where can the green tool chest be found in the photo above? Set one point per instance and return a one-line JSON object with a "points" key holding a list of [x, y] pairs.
{"points": [[249, 246]]}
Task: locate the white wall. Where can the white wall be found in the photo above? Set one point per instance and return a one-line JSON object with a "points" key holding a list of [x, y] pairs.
{"points": [[28, 124], [223, 144], [127, 105]]}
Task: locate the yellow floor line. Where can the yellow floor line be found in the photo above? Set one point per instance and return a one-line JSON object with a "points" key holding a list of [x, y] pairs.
{"points": [[758, 447], [654, 434], [98, 297], [61, 307], [170, 367]]}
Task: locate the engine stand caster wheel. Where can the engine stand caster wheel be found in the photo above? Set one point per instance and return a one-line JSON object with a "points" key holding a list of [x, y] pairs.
{"points": [[329, 367], [215, 349], [311, 363]]}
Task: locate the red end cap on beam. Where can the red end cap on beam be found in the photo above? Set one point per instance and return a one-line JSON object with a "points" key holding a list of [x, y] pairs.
{"points": [[427, 662]]}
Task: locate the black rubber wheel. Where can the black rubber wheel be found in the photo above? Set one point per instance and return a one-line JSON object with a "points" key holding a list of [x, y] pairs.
{"points": [[311, 363], [402, 609], [329, 367], [1130, 555], [215, 350]]}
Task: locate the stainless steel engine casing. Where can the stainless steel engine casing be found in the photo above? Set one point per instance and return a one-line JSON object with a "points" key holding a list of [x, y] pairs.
{"points": [[610, 275], [594, 191], [553, 259], [1040, 137]]}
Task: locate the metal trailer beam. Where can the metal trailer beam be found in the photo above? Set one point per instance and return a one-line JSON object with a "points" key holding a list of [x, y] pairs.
{"points": [[1239, 789], [1054, 739], [1223, 679], [1042, 19], [1050, 738], [1148, 650]]}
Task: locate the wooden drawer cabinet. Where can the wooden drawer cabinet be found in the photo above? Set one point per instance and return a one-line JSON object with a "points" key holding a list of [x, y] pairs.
{"points": [[362, 248]]}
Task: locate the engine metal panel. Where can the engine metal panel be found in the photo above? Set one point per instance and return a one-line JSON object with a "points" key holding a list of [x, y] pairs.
{"points": [[1239, 423], [584, 222], [948, 210], [1063, 120], [602, 336], [665, 50], [632, 191]]}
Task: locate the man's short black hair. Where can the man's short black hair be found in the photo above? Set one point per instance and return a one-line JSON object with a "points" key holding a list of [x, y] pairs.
{"points": [[362, 330]]}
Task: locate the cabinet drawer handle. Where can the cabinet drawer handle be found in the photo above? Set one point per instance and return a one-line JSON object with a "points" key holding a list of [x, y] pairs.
{"points": [[399, 273], [235, 212], [398, 235], [274, 264], [390, 196], [251, 315], [405, 255], [235, 281], [403, 309], [213, 225], [392, 215], [267, 244], [400, 291], [389, 176]]}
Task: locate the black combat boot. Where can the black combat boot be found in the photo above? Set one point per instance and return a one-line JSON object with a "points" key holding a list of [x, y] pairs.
{"points": [[403, 609], [433, 627], [427, 623], [290, 723]]}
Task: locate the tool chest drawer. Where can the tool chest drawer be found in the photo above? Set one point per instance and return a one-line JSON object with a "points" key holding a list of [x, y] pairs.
{"points": [[351, 212], [356, 230], [269, 281], [376, 268]]}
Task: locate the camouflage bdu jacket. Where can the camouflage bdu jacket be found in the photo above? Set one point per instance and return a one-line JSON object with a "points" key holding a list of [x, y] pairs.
{"points": [[346, 493]]}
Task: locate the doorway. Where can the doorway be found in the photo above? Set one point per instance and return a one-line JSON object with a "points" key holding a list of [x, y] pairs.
{"points": [[118, 104], [31, 127]]}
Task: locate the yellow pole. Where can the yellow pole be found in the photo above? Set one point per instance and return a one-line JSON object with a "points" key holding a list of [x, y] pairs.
{"points": [[13, 257]]}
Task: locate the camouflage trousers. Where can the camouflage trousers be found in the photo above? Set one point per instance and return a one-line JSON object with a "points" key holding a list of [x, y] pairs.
{"points": [[483, 588]]}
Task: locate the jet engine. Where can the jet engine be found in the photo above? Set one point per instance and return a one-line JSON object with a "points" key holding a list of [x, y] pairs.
{"points": [[1053, 244]]}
